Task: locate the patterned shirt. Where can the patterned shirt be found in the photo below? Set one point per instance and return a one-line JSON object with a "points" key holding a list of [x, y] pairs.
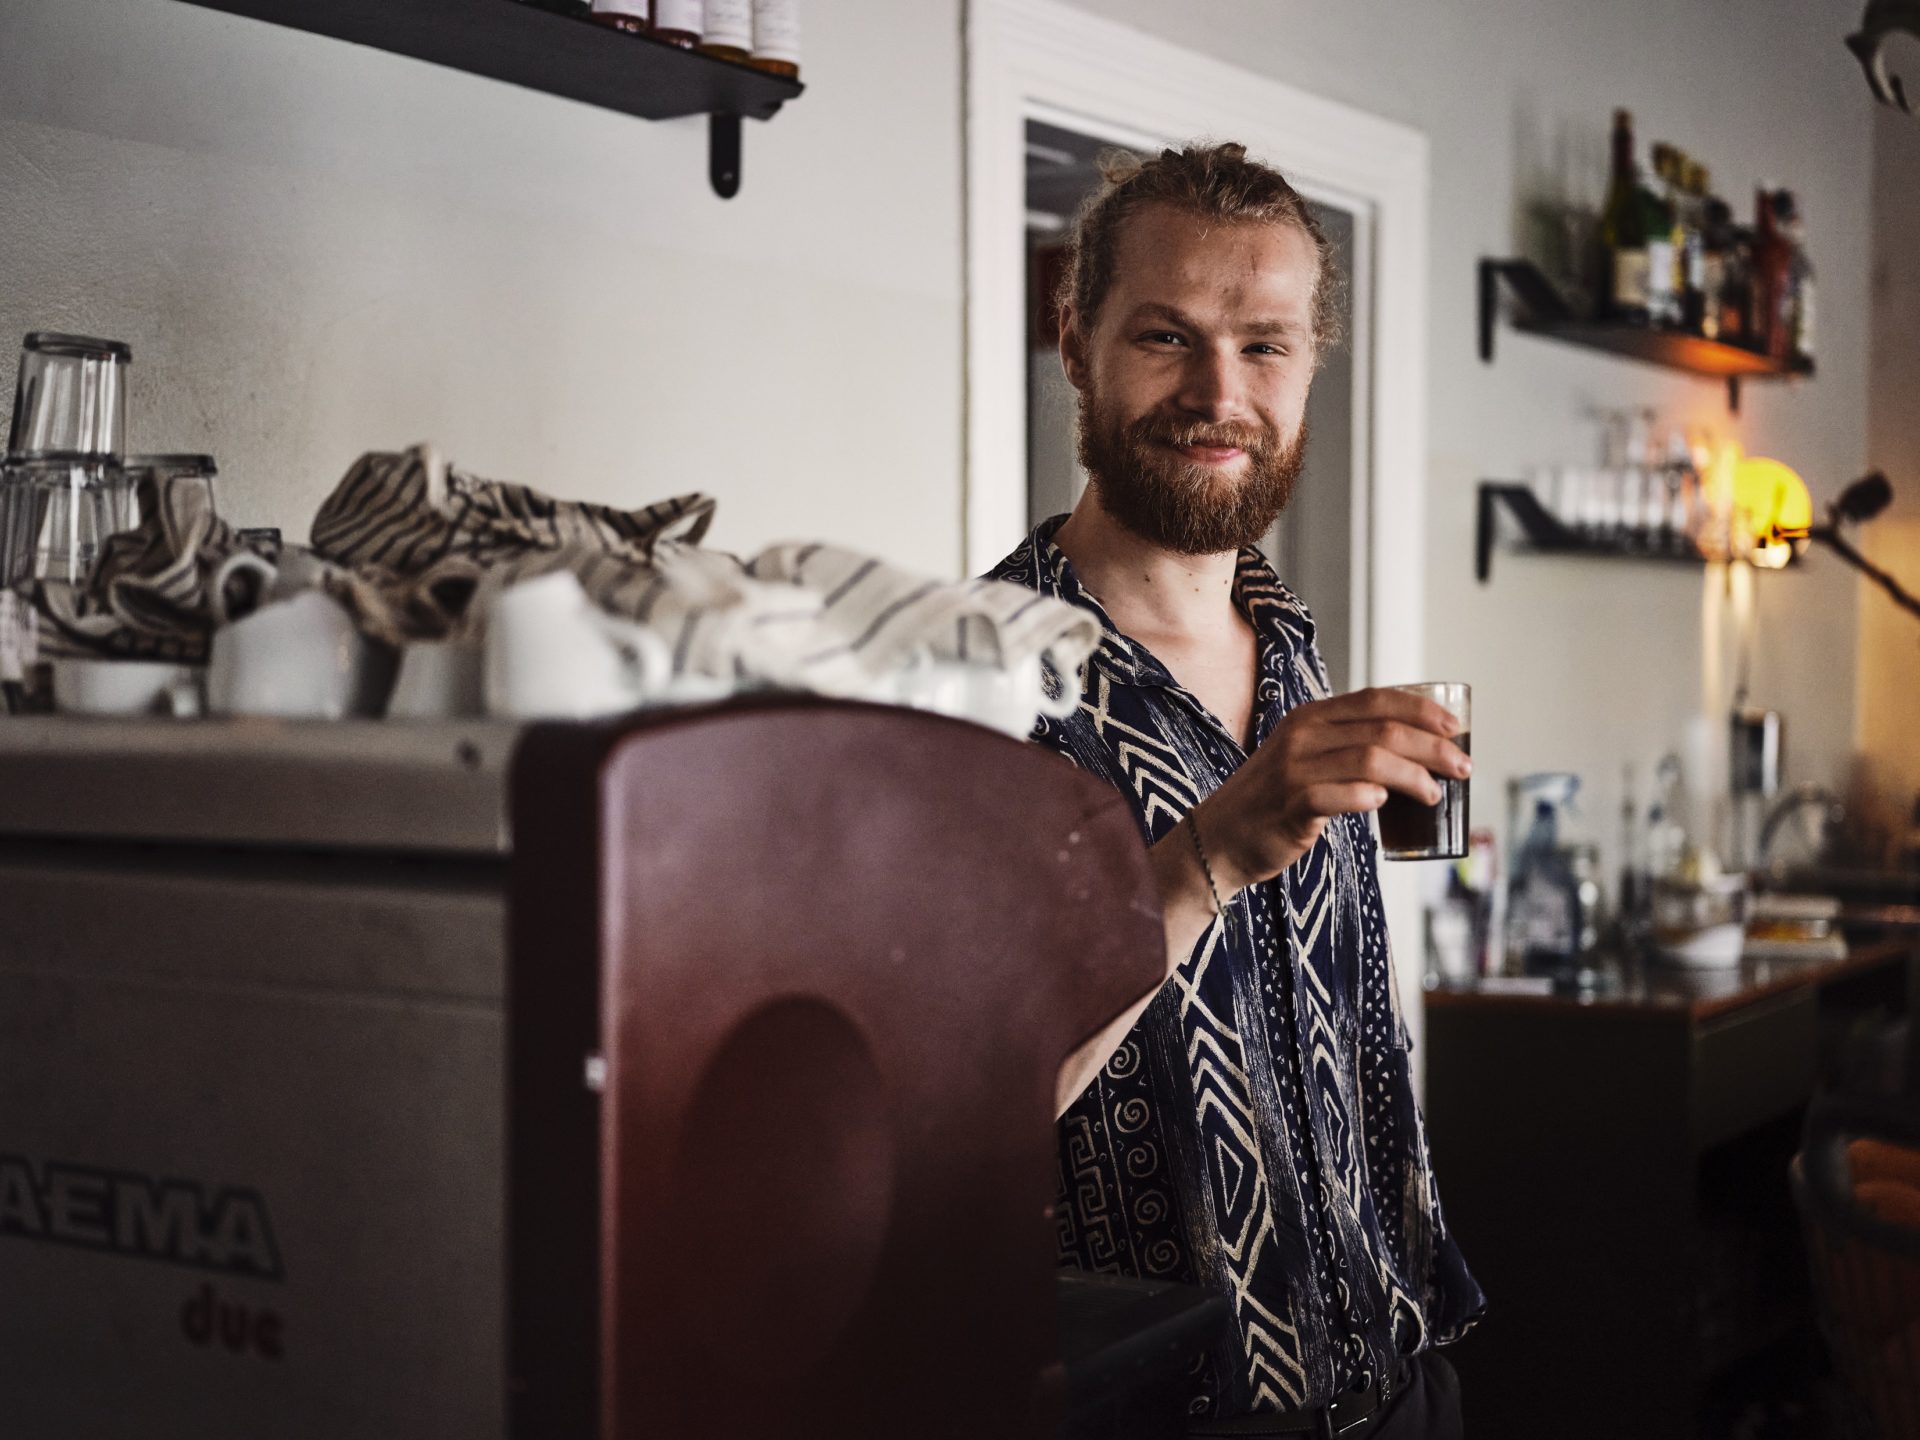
{"points": [[1257, 1131]]}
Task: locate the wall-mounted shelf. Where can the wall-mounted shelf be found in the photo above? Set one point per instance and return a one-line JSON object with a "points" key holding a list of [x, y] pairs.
{"points": [[1542, 310], [1545, 534], [554, 53]]}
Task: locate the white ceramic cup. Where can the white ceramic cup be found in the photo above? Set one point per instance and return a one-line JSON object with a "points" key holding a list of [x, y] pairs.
{"points": [[1004, 698], [296, 658], [552, 654], [118, 687], [438, 680], [298, 570]]}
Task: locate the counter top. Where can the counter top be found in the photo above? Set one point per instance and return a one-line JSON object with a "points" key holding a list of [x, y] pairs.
{"points": [[1636, 985], [368, 785]]}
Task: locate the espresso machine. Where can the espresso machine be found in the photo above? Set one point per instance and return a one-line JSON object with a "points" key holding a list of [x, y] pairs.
{"points": [[683, 1075]]}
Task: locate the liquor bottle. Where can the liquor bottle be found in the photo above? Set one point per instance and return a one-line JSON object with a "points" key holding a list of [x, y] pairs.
{"points": [[1693, 257], [677, 22], [632, 16], [1736, 289], [726, 30], [1799, 277], [1623, 232], [1663, 300], [1770, 329], [1669, 168], [776, 38], [1716, 247]]}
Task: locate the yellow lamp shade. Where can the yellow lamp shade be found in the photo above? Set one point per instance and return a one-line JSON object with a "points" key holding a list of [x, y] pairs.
{"points": [[1774, 498], [1772, 507]]}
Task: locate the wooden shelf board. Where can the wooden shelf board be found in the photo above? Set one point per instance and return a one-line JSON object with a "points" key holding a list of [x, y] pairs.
{"points": [[1665, 347]]}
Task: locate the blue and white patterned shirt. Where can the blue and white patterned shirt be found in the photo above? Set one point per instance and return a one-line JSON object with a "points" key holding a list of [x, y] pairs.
{"points": [[1257, 1131]]}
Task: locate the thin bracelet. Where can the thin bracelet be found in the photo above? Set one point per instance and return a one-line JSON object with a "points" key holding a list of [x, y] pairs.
{"points": [[1193, 829]]}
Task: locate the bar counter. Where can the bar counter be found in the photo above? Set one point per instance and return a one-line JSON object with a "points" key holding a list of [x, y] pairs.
{"points": [[1614, 1162]]}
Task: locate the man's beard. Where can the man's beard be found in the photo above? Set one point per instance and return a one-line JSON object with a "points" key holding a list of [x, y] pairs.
{"points": [[1182, 505]]}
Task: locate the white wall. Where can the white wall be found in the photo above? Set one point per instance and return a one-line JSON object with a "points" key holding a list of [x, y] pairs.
{"points": [[316, 249], [1585, 666]]}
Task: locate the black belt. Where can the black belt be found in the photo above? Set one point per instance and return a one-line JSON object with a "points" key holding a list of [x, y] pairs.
{"points": [[1345, 1416]]}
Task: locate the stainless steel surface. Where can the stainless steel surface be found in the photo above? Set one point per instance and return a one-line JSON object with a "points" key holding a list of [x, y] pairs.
{"points": [[428, 786]]}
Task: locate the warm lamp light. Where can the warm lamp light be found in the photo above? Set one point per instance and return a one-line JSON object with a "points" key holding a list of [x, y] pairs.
{"points": [[1771, 505]]}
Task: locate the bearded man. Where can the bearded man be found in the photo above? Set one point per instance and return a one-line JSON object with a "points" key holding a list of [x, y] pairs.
{"points": [[1250, 1127]]}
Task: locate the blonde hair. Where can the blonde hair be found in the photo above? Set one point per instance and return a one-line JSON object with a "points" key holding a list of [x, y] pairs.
{"points": [[1217, 182]]}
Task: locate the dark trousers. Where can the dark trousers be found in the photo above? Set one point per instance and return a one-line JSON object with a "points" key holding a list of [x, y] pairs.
{"points": [[1428, 1409]]}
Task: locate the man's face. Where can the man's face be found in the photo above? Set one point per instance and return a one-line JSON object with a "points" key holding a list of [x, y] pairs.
{"points": [[1193, 379]]}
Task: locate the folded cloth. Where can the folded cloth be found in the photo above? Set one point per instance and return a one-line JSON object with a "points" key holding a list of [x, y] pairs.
{"points": [[417, 550]]}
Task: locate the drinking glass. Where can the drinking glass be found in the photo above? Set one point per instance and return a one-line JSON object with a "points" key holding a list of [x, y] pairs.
{"points": [[55, 511], [70, 397], [1410, 830], [153, 475]]}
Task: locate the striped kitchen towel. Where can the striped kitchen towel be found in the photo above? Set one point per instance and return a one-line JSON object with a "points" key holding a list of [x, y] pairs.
{"points": [[416, 549]]}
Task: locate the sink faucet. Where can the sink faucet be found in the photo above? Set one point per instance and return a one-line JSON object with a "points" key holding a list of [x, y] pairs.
{"points": [[1801, 797]]}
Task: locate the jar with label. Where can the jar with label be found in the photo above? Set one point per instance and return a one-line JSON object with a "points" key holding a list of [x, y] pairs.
{"points": [[678, 22], [727, 29], [632, 16], [776, 38]]}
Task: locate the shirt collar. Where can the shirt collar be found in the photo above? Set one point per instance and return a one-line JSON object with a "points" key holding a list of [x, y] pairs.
{"points": [[1275, 612]]}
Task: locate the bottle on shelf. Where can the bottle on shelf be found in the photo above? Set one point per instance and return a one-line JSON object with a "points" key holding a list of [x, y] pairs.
{"points": [[776, 38], [1670, 167], [1663, 300], [1771, 328], [1799, 296], [726, 29], [1623, 233], [1717, 242], [1736, 289], [632, 16], [678, 22], [1693, 257]]}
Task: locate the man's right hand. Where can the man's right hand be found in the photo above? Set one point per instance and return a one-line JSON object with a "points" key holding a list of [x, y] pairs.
{"points": [[1327, 758]]}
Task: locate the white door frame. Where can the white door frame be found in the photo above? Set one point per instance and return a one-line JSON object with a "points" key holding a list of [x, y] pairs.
{"points": [[1040, 59]]}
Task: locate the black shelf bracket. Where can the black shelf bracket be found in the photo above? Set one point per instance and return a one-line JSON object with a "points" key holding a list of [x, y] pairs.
{"points": [[1534, 290], [723, 154], [1546, 534]]}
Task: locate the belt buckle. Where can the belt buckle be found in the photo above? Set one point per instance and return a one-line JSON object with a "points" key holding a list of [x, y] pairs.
{"points": [[1353, 1424], [1382, 1394]]}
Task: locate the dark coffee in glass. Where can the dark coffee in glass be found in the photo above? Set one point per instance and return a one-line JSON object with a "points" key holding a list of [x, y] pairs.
{"points": [[1410, 830]]}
